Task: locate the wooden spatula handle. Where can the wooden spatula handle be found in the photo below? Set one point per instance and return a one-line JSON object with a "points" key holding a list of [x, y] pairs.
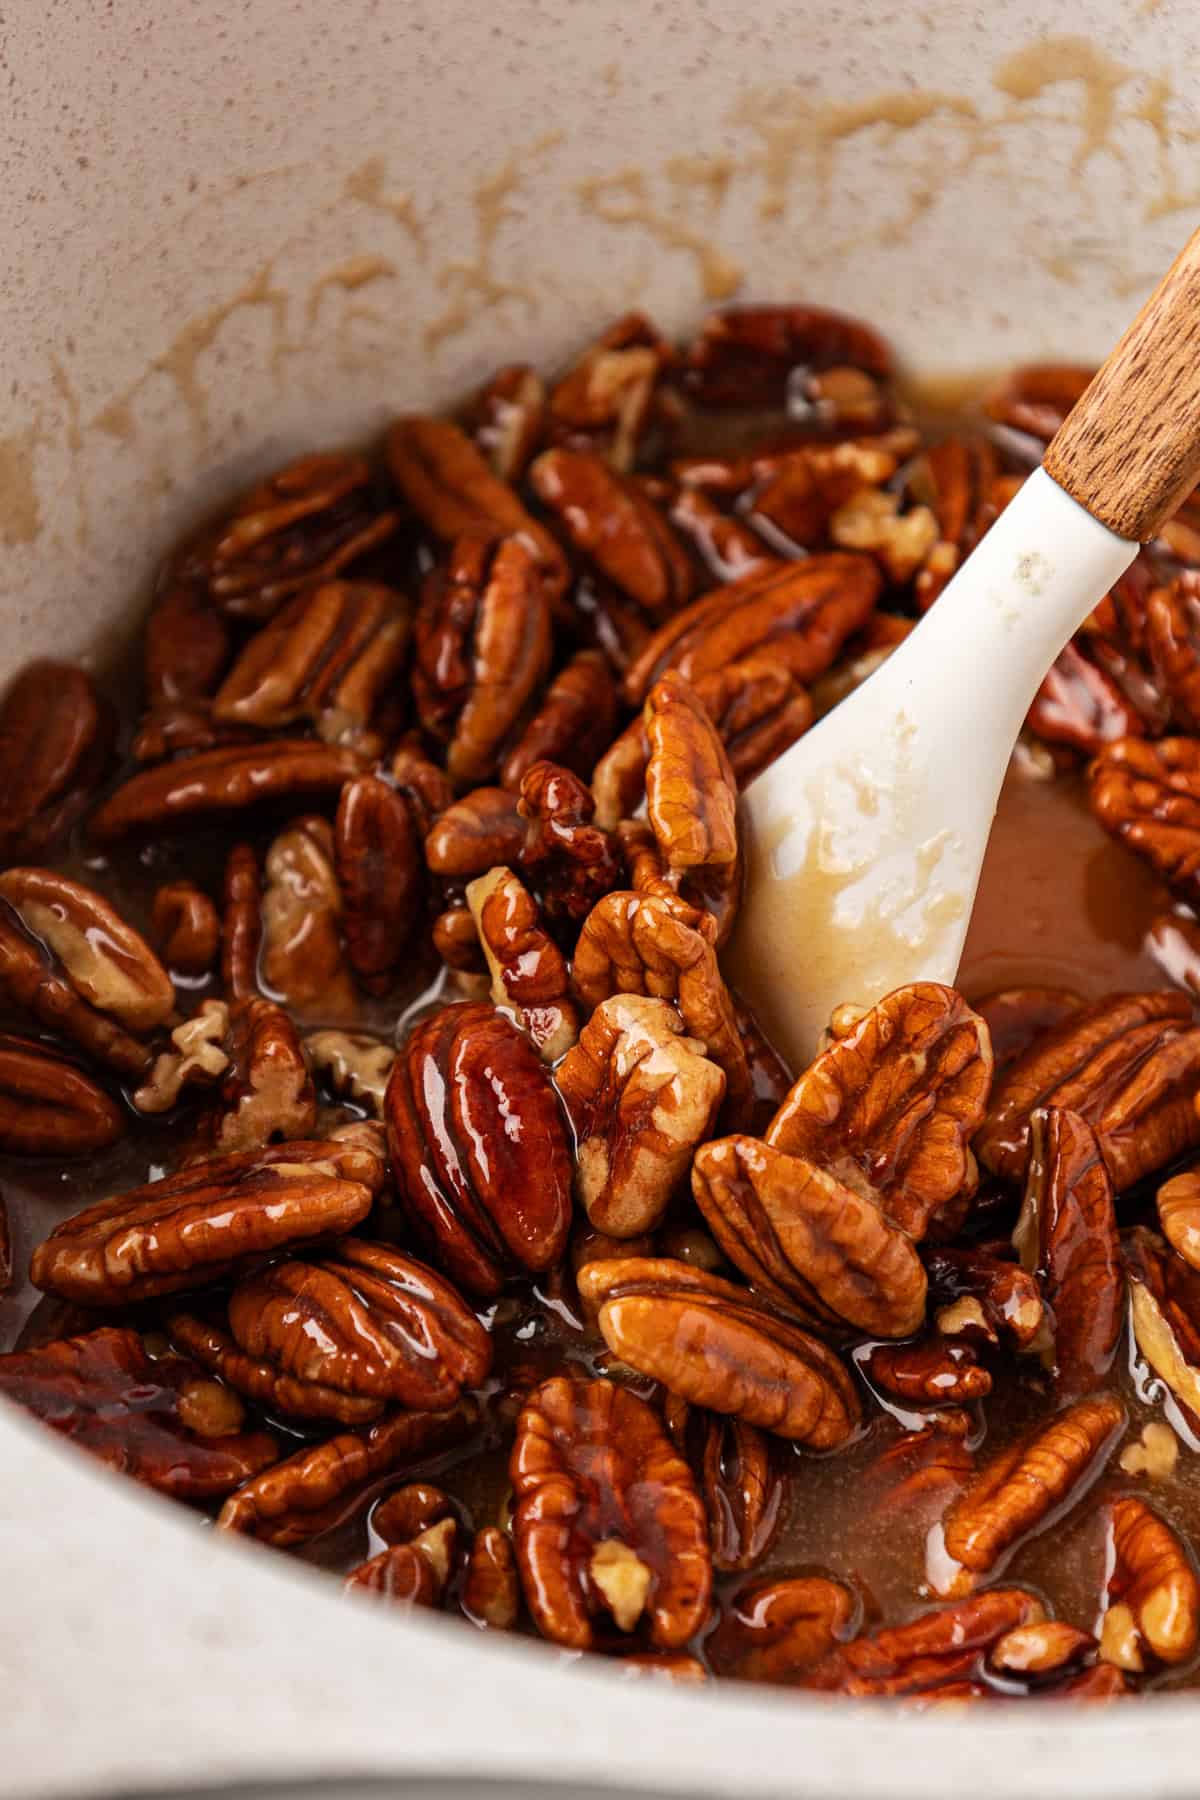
{"points": [[1130, 448]]}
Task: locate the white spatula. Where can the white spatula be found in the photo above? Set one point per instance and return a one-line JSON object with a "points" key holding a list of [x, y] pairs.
{"points": [[864, 842]]}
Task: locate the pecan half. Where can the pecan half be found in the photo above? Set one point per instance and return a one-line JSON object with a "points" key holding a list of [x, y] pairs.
{"points": [[380, 871], [1178, 1204], [1128, 1065], [741, 1488], [803, 612], [190, 1228], [527, 969], [1115, 640], [48, 1107], [808, 1241], [1148, 796], [574, 722], [931, 1651], [589, 1245], [983, 1298], [1067, 1234], [109, 965], [183, 729], [751, 355], [1153, 1595], [364, 1320], [890, 1107], [185, 649], [1046, 1648], [56, 737], [609, 623], [1027, 1485], [928, 1371], [1164, 1296], [491, 1590], [1081, 705], [605, 399], [163, 1422], [302, 957], [479, 832], [312, 518], [717, 1346], [227, 779], [413, 1574], [451, 488], [1101, 1682], [505, 418], [691, 799], [313, 1490], [455, 937], [365, 1134], [210, 1346], [572, 861], [265, 1091], [1036, 397], [641, 1096], [607, 1518], [103, 986], [610, 521], [726, 546], [328, 658], [1173, 644], [759, 711], [424, 782], [241, 923], [664, 948], [478, 1147], [777, 1630], [409, 1510], [187, 926], [959, 479], [483, 651]]}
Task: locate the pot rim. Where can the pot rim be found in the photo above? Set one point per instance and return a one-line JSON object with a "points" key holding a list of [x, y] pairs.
{"points": [[186, 1661]]}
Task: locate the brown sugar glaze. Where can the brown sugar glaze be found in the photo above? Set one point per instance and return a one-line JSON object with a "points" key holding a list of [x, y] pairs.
{"points": [[1074, 918], [1060, 905]]}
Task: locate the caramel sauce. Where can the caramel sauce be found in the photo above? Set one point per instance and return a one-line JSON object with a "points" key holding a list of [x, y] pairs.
{"points": [[1047, 62], [20, 507], [623, 199], [348, 278], [369, 184], [1059, 904]]}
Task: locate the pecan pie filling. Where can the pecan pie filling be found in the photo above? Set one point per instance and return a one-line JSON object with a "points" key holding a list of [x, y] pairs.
{"points": [[389, 1171]]}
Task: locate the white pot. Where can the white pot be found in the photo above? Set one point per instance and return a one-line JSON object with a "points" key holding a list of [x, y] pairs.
{"points": [[232, 230]]}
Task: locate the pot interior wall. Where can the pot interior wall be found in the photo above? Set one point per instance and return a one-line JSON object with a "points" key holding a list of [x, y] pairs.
{"points": [[228, 232]]}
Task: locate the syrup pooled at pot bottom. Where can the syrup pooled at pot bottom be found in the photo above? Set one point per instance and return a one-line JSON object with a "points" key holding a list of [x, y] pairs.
{"points": [[433, 658]]}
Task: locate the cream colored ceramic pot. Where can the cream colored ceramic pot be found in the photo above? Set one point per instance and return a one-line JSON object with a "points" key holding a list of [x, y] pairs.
{"points": [[234, 229]]}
